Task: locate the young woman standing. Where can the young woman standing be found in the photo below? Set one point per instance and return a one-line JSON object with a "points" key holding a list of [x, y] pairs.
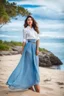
{"points": [[26, 74]]}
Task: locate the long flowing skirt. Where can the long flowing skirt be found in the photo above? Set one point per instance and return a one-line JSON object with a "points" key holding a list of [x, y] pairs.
{"points": [[26, 73]]}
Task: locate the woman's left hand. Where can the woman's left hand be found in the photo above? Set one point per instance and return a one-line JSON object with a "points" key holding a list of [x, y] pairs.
{"points": [[37, 51]]}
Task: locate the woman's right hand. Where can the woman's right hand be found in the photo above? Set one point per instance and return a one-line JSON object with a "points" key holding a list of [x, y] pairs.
{"points": [[23, 45]]}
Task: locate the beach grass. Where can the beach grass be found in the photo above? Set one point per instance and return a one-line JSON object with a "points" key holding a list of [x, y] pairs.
{"points": [[43, 49], [6, 45]]}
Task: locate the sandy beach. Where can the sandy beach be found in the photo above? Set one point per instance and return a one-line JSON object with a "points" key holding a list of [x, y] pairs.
{"points": [[51, 80]]}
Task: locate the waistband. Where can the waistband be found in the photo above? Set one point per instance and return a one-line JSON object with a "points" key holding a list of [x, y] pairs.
{"points": [[32, 40]]}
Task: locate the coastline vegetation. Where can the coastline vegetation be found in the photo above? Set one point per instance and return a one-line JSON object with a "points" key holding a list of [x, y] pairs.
{"points": [[7, 45]]}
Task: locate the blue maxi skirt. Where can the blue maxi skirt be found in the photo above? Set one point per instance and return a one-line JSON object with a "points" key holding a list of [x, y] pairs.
{"points": [[26, 73]]}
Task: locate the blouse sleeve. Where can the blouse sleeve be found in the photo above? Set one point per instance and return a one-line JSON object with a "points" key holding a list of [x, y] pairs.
{"points": [[24, 35], [38, 36]]}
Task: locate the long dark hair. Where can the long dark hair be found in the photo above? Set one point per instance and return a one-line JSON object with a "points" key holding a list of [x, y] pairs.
{"points": [[34, 25]]}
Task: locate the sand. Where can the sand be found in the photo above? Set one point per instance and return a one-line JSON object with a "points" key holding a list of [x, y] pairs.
{"points": [[51, 80]]}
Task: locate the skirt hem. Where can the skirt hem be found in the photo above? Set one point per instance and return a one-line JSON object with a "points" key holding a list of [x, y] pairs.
{"points": [[18, 89]]}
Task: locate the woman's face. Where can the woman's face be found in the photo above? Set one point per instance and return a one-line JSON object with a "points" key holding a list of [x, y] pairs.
{"points": [[29, 21]]}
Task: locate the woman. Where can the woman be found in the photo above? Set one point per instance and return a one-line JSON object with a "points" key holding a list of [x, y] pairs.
{"points": [[26, 74]]}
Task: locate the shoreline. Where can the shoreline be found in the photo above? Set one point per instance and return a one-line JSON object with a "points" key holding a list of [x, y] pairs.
{"points": [[51, 81], [51, 67]]}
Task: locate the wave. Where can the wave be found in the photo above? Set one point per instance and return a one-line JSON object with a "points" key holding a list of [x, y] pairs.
{"points": [[9, 36], [52, 36]]}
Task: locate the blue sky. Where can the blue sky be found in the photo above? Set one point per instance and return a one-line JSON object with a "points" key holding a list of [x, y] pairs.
{"points": [[44, 9]]}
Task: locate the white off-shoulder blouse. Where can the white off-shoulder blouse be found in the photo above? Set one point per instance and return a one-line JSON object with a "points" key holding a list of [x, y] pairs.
{"points": [[29, 33]]}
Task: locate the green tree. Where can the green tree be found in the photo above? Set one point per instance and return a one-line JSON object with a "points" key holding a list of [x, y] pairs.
{"points": [[3, 15], [8, 10], [3, 1]]}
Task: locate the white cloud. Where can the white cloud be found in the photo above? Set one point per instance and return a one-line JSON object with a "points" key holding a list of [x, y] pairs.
{"points": [[49, 45], [53, 4], [50, 8], [51, 35], [8, 36], [49, 24]]}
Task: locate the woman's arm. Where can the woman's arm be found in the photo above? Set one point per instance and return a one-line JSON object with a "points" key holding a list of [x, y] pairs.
{"points": [[37, 46], [23, 45], [24, 40]]}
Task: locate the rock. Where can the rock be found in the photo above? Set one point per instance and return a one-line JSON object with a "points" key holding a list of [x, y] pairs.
{"points": [[14, 50], [5, 53], [17, 48], [8, 53], [46, 80], [55, 60], [48, 59], [60, 83], [44, 60]]}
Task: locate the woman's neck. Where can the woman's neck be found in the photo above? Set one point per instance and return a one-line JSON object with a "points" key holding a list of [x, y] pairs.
{"points": [[30, 26]]}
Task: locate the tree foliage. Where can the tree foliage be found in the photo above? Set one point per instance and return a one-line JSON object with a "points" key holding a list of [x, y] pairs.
{"points": [[3, 1], [8, 10]]}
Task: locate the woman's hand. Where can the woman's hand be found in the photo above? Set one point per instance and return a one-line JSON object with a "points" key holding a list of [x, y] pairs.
{"points": [[37, 47], [23, 45], [37, 51]]}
